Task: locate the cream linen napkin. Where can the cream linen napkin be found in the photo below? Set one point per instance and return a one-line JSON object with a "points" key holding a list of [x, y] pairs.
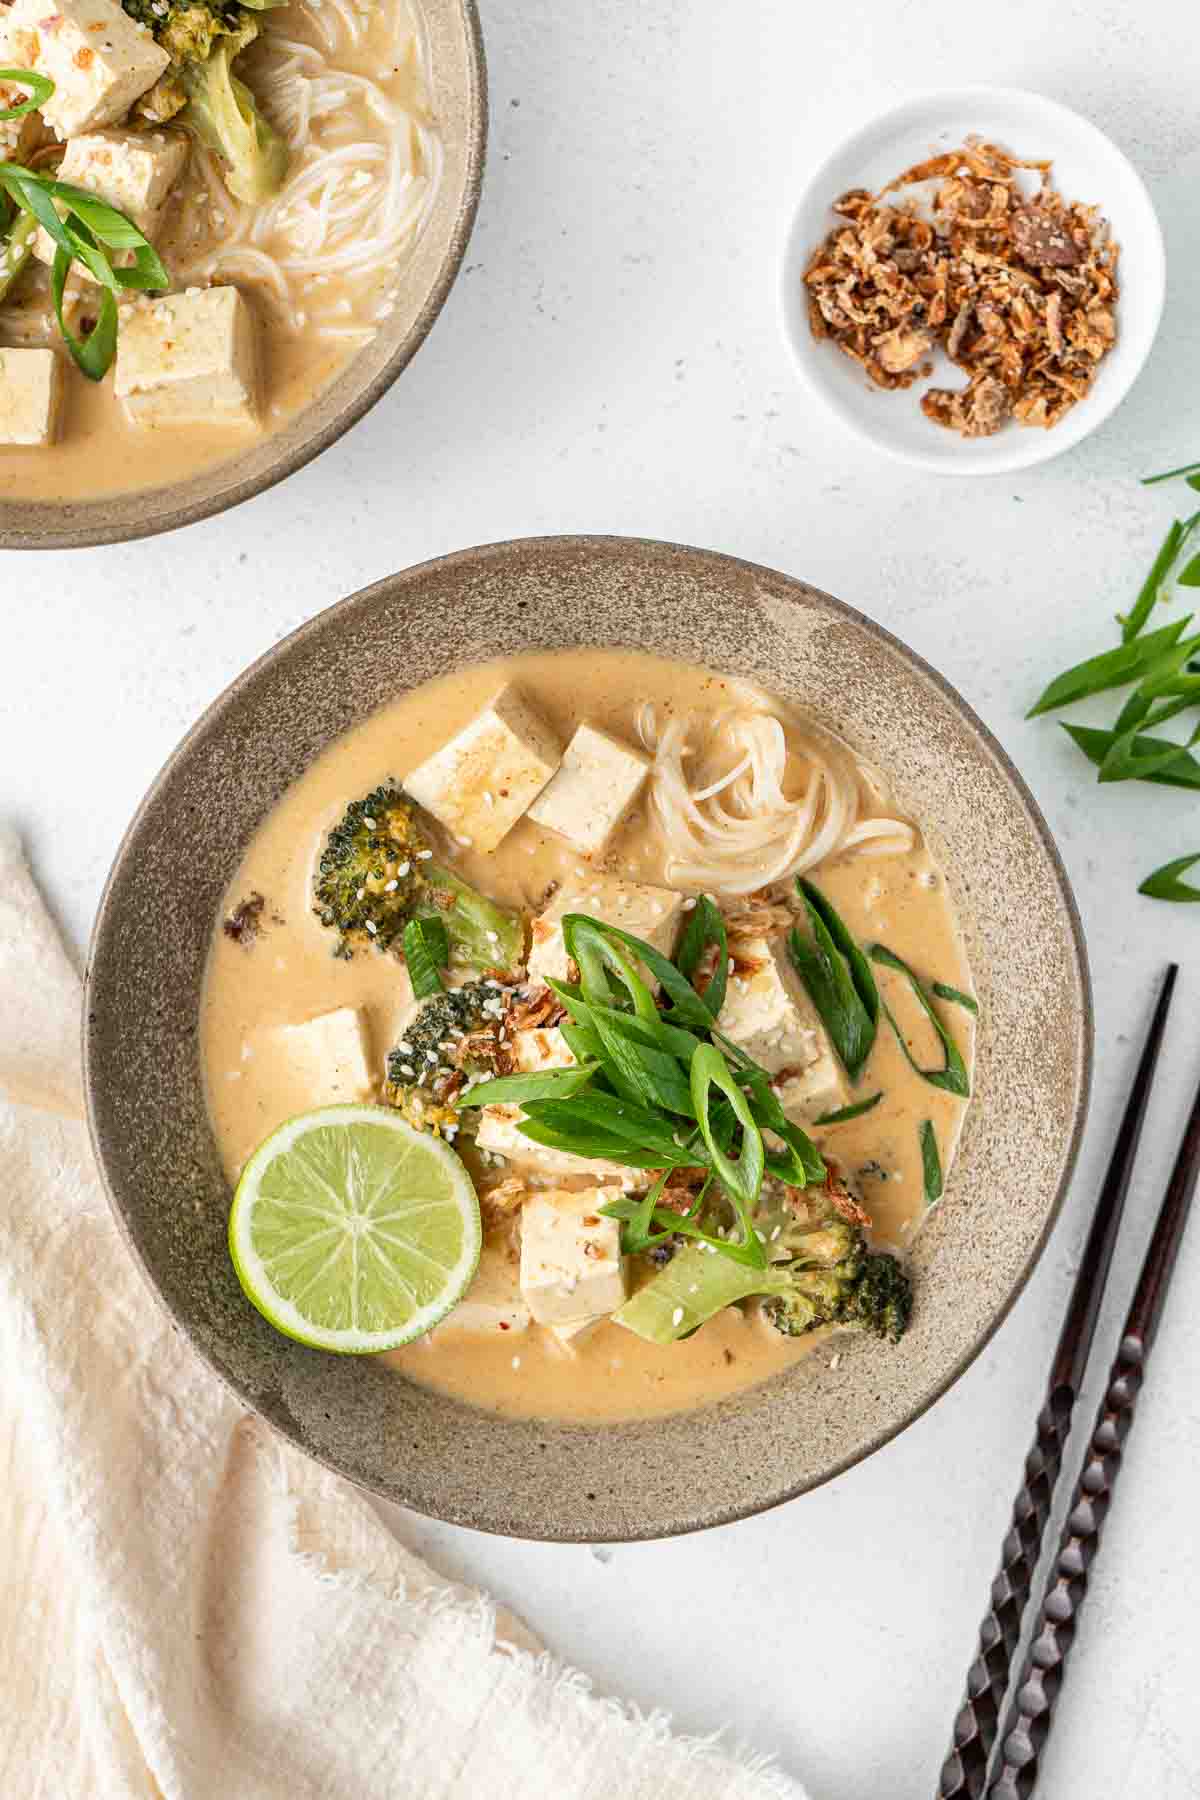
{"points": [[188, 1606]]}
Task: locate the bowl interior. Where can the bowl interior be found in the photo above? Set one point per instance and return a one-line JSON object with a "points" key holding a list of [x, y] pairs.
{"points": [[144, 1084], [460, 105], [1087, 167]]}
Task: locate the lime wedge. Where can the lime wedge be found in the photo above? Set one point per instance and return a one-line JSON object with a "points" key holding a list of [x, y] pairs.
{"points": [[351, 1231]]}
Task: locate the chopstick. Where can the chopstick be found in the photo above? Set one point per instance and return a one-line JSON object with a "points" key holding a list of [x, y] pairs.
{"points": [[964, 1771], [1032, 1712]]}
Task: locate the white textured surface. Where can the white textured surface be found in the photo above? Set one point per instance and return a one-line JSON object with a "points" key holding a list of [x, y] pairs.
{"points": [[611, 361]]}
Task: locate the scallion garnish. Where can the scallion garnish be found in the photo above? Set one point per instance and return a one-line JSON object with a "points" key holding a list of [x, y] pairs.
{"points": [[84, 229], [956, 997], [426, 954], [1165, 883], [40, 89], [952, 1076], [1190, 470], [844, 1114], [838, 978], [659, 1089], [931, 1162]]}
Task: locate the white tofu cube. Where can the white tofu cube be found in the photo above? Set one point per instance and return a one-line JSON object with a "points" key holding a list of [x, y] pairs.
{"points": [[571, 1265], [326, 1059], [651, 913], [31, 386], [133, 170], [571, 1334], [492, 1304], [543, 1047], [768, 1014], [190, 359], [598, 782], [499, 1132], [481, 782], [99, 60]]}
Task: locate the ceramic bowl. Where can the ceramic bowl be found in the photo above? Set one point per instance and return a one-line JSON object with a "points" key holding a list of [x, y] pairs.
{"points": [[160, 1162], [460, 106], [1087, 167]]}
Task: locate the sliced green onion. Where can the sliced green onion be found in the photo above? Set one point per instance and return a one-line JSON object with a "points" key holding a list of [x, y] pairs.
{"points": [[1165, 883], [952, 1076], [426, 953], [956, 997], [931, 1163], [844, 1114], [40, 89]]}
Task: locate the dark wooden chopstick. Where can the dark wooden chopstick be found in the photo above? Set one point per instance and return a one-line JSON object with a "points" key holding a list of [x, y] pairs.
{"points": [[1028, 1724], [964, 1772]]}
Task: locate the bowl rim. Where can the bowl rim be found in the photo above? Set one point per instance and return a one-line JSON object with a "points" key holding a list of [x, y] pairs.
{"points": [[93, 535], [567, 543], [1093, 411]]}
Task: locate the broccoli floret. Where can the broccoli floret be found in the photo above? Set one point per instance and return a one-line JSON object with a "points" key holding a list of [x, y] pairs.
{"points": [[828, 1277], [450, 1039], [204, 38], [831, 1277], [223, 113], [866, 1292], [377, 872]]}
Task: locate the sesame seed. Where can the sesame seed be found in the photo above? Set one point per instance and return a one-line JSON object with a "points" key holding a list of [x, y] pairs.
{"points": [[372, 928], [391, 887], [689, 905], [407, 1069], [516, 1362], [361, 894], [677, 1316], [403, 870], [404, 1049], [488, 799], [493, 937], [369, 823], [431, 1056]]}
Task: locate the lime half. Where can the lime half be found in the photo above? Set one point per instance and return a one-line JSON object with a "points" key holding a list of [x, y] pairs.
{"points": [[351, 1231]]}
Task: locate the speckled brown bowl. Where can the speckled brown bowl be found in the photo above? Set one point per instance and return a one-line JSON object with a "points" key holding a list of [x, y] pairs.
{"points": [[461, 109], [156, 1148]]}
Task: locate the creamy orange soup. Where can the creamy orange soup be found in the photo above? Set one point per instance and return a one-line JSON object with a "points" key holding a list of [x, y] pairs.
{"points": [[289, 974]]}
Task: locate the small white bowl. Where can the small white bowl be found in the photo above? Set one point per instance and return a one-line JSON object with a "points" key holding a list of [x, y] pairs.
{"points": [[1087, 167]]}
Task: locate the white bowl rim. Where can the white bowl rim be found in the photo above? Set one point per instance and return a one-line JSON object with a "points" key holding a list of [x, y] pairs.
{"points": [[1094, 410]]}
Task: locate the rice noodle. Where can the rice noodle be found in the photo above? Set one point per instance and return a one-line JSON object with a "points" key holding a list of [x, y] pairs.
{"points": [[730, 826], [366, 163]]}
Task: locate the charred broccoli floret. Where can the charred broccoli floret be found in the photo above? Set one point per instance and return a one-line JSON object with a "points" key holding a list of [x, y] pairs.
{"points": [[831, 1277], [868, 1291], [452, 1037], [824, 1274], [377, 872]]}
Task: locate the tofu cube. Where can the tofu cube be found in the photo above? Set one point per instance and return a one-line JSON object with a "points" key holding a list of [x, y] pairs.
{"points": [[31, 387], [768, 1014], [499, 1132], [541, 1048], [571, 1266], [481, 782], [492, 1304], [133, 170], [571, 1334], [599, 780], [190, 359], [651, 913], [99, 60], [327, 1058]]}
